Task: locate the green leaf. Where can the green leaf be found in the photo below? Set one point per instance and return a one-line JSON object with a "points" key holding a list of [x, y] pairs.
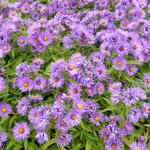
{"points": [[11, 121], [62, 148], [86, 127], [49, 143], [4, 4], [88, 145], [129, 62], [110, 108], [26, 144], [147, 125]]}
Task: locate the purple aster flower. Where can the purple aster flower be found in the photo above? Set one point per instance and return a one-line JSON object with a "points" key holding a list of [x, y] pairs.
{"points": [[124, 24], [22, 106], [6, 48], [21, 131], [104, 21], [113, 145], [3, 138], [97, 57], [56, 81], [115, 87], [137, 146], [134, 115], [57, 110], [77, 58], [100, 71], [25, 8], [106, 47], [45, 38], [146, 79], [34, 115], [96, 117], [38, 61], [25, 84], [113, 118], [60, 97], [136, 46], [128, 127], [138, 56], [33, 68], [99, 87], [22, 69], [92, 106], [41, 137], [119, 14], [2, 84], [74, 90], [142, 139], [145, 110], [40, 47], [61, 125], [35, 15], [39, 83], [91, 91], [73, 118], [22, 41], [67, 41], [5, 110], [15, 82], [119, 63], [131, 70], [103, 3], [64, 139], [36, 97], [115, 97], [79, 105]]}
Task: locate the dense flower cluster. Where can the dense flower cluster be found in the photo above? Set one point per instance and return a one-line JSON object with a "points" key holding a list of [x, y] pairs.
{"points": [[117, 36]]}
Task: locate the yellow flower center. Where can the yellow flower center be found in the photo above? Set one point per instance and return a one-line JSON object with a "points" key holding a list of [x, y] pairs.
{"points": [[105, 137], [21, 130], [14, 82], [26, 84], [5, 47], [59, 96], [74, 91], [148, 80], [119, 63], [70, 67], [62, 101], [73, 117], [40, 46], [96, 118], [90, 91], [68, 21], [98, 88], [113, 146], [36, 115], [131, 69], [3, 109], [63, 138], [38, 82], [45, 38], [125, 24], [25, 8], [145, 109], [76, 58], [79, 106], [137, 148], [21, 41], [103, 2], [112, 117], [13, 14], [56, 79], [90, 38], [36, 40]]}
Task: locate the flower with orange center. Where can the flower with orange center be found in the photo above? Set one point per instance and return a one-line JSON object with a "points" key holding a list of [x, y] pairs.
{"points": [[25, 84], [79, 106], [45, 38], [113, 146], [21, 130], [22, 41], [3, 109], [56, 79], [5, 47], [119, 63], [70, 67], [131, 69], [97, 118], [73, 117]]}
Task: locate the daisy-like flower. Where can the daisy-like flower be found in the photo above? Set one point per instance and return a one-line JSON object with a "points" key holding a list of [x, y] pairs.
{"points": [[92, 106], [137, 146], [96, 117], [79, 105], [34, 115], [74, 90], [25, 84], [36, 97], [22, 41], [64, 139], [40, 47], [21, 131], [45, 38], [145, 110], [39, 83], [146, 79], [22, 106], [6, 48], [131, 70], [61, 125], [97, 57], [56, 81], [3, 138], [91, 91], [119, 63], [113, 145], [41, 137], [73, 118], [5, 110], [134, 115], [2, 84], [100, 71]]}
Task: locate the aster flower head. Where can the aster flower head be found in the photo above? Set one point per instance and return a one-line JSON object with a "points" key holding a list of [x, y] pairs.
{"points": [[73, 118], [3, 138], [119, 63], [137, 146], [5, 110], [91, 91], [99, 87], [34, 115], [40, 47], [113, 145], [22, 106], [45, 38], [79, 105], [22, 41], [146, 79], [39, 83], [64, 139], [2, 84], [25, 84], [21, 131], [5, 47], [96, 117], [41, 137], [22, 69], [67, 41], [131, 70], [74, 90], [36, 97], [145, 110], [97, 57], [115, 87], [61, 125], [38, 61]]}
